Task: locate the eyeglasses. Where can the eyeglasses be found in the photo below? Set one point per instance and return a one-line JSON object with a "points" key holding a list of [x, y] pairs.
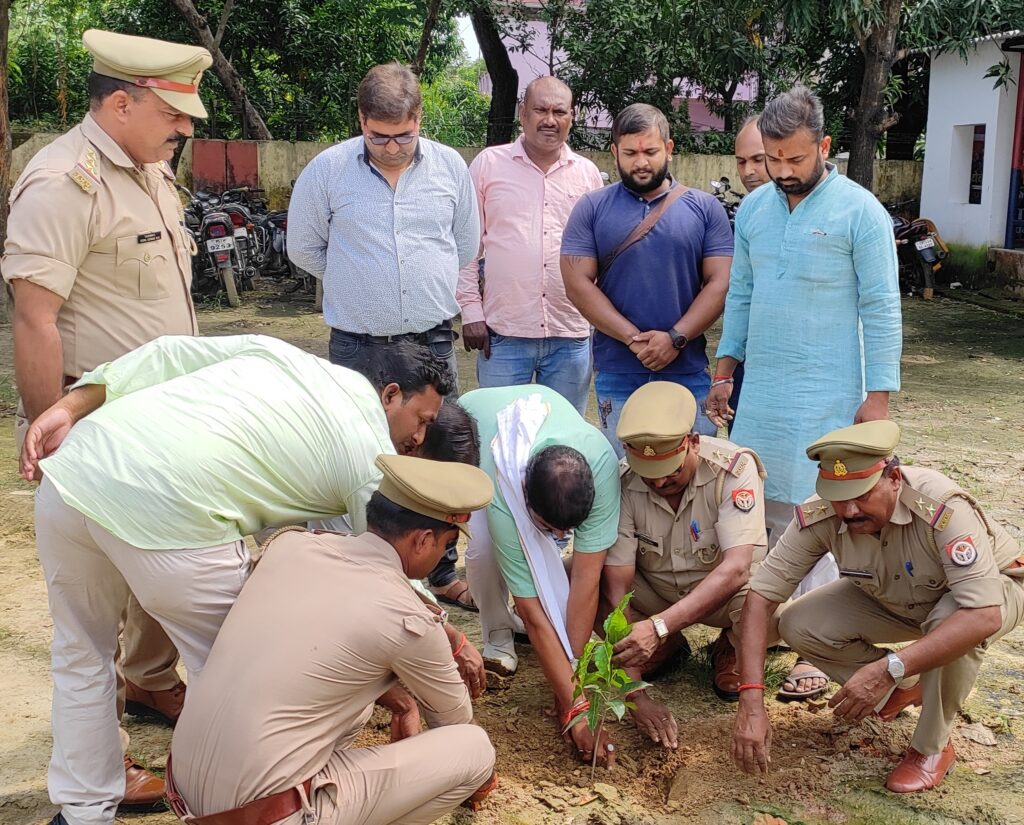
{"points": [[384, 140]]}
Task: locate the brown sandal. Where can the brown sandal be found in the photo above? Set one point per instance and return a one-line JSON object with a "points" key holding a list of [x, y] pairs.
{"points": [[457, 594]]}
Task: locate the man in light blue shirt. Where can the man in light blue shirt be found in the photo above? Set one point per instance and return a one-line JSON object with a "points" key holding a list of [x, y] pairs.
{"points": [[386, 220], [813, 310]]}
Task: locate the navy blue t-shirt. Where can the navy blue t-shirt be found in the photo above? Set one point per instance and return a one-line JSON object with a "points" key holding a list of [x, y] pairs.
{"points": [[653, 282]]}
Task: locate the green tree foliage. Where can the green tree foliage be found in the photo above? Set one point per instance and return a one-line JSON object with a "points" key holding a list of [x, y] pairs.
{"points": [[300, 60], [454, 110]]}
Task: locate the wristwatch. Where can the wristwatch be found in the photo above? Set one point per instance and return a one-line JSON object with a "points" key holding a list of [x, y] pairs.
{"points": [[660, 627], [678, 339], [895, 667]]}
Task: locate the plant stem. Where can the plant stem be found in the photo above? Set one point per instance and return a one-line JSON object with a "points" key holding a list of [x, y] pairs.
{"points": [[597, 744]]}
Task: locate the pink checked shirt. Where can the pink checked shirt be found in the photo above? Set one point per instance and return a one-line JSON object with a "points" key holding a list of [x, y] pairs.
{"points": [[522, 214]]}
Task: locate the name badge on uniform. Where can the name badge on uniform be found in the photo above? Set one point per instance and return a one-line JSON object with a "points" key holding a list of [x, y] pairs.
{"points": [[148, 237], [856, 574]]}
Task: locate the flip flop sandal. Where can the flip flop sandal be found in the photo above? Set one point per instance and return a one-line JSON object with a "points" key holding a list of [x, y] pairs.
{"points": [[803, 695], [456, 600]]}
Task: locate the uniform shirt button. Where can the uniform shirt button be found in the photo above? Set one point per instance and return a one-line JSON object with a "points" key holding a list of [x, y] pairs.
{"points": [[896, 577], [147, 257]]}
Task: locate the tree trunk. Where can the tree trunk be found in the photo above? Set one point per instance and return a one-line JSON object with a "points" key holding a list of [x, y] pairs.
{"points": [[504, 79], [5, 146], [232, 83], [428, 30], [870, 119], [912, 109]]}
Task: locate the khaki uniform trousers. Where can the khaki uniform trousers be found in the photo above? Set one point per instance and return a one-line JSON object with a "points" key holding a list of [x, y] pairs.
{"points": [[89, 573], [412, 782], [837, 627], [646, 601]]}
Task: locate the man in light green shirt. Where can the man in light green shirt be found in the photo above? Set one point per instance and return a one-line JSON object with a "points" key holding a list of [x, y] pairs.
{"points": [[570, 488], [167, 458]]}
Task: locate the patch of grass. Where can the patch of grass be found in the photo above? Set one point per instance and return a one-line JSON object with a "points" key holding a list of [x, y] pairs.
{"points": [[968, 265]]}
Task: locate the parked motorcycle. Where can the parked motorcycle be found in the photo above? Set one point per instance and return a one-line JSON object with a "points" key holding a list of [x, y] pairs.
{"points": [[216, 264], [728, 197], [921, 251]]}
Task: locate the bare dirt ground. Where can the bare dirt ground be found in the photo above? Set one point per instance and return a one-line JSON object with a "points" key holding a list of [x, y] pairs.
{"points": [[962, 413]]}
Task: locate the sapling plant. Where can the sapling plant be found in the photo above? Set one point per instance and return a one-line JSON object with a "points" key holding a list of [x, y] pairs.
{"points": [[602, 690]]}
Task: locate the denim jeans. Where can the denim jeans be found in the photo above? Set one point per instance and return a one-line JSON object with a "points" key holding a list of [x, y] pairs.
{"points": [[563, 364], [348, 351], [613, 388]]}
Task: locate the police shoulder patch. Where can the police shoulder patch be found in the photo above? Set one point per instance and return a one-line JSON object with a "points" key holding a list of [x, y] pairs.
{"points": [[743, 500], [962, 551]]}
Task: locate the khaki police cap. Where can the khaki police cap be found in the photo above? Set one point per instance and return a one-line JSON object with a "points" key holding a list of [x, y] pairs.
{"points": [[851, 460], [444, 490], [170, 70], [652, 425]]}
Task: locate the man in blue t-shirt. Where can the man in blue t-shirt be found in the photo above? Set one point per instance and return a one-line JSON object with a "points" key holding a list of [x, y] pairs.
{"points": [[651, 306]]}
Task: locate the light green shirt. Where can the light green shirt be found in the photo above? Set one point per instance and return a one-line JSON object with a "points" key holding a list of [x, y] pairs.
{"points": [[563, 425], [205, 440]]}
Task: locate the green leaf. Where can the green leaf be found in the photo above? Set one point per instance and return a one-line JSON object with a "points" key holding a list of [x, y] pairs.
{"points": [[576, 720], [616, 626], [603, 661], [618, 707], [594, 715]]}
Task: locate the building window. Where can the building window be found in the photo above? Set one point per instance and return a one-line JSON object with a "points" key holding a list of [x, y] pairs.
{"points": [[977, 164]]}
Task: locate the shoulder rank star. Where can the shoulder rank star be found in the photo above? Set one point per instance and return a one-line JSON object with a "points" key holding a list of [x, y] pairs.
{"points": [[743, 500], [962, 551], [839, 470]]}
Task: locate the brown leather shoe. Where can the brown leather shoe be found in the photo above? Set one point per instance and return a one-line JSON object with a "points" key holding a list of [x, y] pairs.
{"points": [[142, 790], [918, 772], [900, 699], [726, 679], [156, 705]]}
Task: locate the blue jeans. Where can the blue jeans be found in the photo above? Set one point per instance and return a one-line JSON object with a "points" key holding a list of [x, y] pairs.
{"points": [[563, 364], [613, 388]]}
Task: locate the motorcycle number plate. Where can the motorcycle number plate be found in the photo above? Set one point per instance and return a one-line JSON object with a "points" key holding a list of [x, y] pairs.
{"points": [[924, 243], [219, 244], [241, 233]]}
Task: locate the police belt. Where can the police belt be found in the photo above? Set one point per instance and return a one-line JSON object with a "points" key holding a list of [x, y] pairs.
{"points": [[263, 811]]}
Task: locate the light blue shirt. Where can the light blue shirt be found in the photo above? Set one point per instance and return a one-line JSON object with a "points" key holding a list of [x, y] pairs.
{"points": [[389, 258], [814, 312]]}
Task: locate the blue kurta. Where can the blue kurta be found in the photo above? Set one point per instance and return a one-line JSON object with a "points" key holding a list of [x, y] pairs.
{"points": [[814, 312]]}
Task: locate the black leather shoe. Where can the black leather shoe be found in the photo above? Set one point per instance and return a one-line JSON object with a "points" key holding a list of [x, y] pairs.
{"points": [[58, 820]]}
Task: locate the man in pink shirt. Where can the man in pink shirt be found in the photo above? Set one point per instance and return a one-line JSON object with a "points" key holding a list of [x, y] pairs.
{"points": [[519, 317]]}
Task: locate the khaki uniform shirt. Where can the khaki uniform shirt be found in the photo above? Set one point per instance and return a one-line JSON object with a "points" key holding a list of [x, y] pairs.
{"points": [[675, 550], [109, 239], [322, 628], [937, 541]]}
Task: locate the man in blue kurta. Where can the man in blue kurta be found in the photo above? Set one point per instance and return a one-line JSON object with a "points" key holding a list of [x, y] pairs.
{"points": [[813, 309]]}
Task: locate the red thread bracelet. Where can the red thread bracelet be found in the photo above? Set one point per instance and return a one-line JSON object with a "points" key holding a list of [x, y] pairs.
{"points": [[751, 686], [458, 649], [722, 378], [574, 711]]}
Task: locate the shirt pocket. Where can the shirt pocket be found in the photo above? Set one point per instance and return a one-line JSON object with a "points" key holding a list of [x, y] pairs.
{"points": [[819, 253], [649, 548], [706, 551], [139, 267]]}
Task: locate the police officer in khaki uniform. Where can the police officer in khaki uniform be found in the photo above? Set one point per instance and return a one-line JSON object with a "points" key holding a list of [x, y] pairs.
{"points": [[919, 561], [326, 626], [99, 262], [691, 525]]}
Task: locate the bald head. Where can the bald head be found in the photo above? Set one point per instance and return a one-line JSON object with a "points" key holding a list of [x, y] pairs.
{"points": [[546, 115], [545, 86], [750, 155]]}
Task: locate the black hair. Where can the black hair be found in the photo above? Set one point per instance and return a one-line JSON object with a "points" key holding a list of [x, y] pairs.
{"points": [[101, 87], [638, 118], [452, 436], [890, 465], [392, 521], [560, 486], [797, 109], [412, 366]]}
